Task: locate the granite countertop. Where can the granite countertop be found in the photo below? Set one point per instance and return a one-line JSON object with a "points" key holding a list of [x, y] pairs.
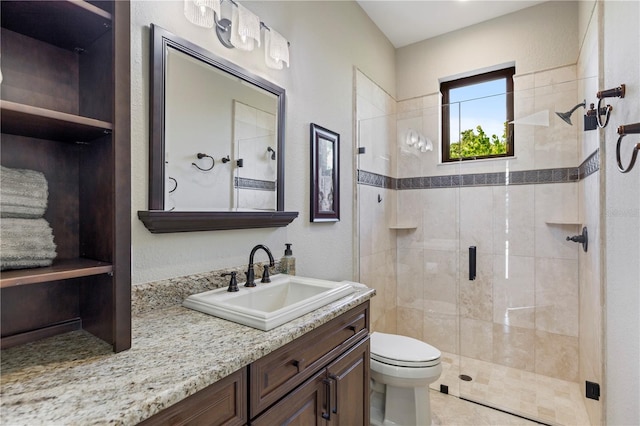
{"points": [[76, 379]]}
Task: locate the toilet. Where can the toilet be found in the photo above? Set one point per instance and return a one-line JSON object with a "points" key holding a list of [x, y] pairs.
{"points": [[401, 370]]}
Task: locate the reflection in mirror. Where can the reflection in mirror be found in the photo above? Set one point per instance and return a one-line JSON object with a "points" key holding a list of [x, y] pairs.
{"points": [[216, 155], [225, 118]]}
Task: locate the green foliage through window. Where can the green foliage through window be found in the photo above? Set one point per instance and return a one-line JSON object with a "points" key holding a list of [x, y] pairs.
{"points": [[479, 144]]}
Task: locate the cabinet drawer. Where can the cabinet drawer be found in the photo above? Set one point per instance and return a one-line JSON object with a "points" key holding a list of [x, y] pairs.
{"points": [[222, 403], [276, 374]]}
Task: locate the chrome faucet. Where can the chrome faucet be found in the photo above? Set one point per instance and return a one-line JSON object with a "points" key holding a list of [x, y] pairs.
{"points": [[251, 273]]}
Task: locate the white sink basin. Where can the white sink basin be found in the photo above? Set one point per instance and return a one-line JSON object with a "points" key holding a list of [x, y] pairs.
{"points": [[269, 305]]}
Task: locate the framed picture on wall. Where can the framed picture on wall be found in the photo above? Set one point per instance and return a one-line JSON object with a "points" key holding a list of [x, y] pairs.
{"points": [[325, 175]]}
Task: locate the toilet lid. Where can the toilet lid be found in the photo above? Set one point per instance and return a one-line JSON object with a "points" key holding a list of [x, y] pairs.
{"points": [[403, 351]]}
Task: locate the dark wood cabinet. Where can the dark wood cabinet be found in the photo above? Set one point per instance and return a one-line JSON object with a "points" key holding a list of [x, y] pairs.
{"points": [[321, 377], [304, 406], [348, 381], [222, 403], [337, 395], [65, 112]]}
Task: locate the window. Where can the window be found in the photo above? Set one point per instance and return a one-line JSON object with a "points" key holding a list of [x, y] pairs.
{"points": [[476, 112]]}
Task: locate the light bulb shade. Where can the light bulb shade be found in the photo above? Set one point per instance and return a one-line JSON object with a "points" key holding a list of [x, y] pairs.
{"points": [[245, 28], [202, 12], [412, 137], [427, 145], [276, 49], [419, 142]]}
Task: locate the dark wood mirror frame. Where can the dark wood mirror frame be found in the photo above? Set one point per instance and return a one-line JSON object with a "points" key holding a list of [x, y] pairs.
{"points": [[158, 220]]}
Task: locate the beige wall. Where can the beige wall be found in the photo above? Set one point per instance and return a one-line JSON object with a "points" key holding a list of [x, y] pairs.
{"points": [[327, 40], [621, 64], [536, 38]]}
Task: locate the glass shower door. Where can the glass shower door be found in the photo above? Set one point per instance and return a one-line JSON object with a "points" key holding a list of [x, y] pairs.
{"points": [[518, 276]]}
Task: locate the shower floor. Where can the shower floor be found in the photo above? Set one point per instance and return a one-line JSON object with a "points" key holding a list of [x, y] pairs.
{"points": [[530, 395]]}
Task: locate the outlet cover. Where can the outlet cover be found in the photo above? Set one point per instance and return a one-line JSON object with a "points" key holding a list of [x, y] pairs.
{"points": [[592, 390]]}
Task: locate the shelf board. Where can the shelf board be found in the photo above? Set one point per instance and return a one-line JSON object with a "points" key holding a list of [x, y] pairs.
{"points": [[67, 24], [563, 222], [60, 270], [158, 221], [403, 226], [41, 123]]}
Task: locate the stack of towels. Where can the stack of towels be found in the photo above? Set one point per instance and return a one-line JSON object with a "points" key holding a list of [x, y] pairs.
{"points": [[26, 238]]}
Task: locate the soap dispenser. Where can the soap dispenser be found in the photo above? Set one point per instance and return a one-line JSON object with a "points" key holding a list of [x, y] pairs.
{"points": [[288, 262]]}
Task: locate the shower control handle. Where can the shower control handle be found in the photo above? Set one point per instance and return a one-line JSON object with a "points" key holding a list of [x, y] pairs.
{"points": [[581, 239], [472, 263]]}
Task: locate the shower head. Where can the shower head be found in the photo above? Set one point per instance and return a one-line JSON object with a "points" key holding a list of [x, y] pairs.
{"points": [[273, 153], [566, 116]]}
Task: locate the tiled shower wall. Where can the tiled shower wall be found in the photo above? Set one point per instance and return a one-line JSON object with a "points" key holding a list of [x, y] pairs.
{"points": [[591, 341], [523, 309], [377, 204]]}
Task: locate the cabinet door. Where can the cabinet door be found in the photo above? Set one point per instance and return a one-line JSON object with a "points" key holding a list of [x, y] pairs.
{"points": [[222, 403], [349, 387], [305, 406]]}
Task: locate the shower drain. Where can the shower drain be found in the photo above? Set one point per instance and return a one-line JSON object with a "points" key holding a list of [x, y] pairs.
{"points": [[465, 377]]}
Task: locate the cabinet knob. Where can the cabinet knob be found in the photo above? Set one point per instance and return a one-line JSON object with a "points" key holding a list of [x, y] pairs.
{"points": [[298, 364]]}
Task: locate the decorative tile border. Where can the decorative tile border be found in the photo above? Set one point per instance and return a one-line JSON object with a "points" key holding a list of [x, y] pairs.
{"points": [[590, 165], [262, 185], [374, 179], [524, 177]]}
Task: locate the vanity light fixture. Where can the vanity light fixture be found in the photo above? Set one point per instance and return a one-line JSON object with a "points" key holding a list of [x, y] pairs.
{"points": [[242, 29], [201, 12]]}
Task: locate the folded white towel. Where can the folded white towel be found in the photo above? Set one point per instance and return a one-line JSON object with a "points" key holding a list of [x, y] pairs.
{"points": [[23, 193], [276, 49], [201, 12], [25, 243], [245, 28]]}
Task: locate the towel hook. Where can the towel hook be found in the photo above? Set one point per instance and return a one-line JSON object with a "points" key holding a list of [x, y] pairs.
{"points": [[617, 92], [176, 184], [623, 131], [200, 156]]}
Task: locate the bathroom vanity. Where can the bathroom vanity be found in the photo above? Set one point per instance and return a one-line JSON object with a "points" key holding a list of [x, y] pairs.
{"points": [[323, 375], [187, 366]]}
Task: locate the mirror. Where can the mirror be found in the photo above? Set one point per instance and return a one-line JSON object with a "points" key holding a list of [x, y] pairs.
{"points": [[216, 157]]}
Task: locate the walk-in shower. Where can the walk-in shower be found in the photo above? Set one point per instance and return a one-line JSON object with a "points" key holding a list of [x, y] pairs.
{"points": [[513, 332]]}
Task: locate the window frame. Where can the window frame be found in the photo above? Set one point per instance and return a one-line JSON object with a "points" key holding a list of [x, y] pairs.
{"points": [[446, 86]]}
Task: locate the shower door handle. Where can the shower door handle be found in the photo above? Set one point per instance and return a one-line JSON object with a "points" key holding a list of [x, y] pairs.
{"points": [[472, 263]]}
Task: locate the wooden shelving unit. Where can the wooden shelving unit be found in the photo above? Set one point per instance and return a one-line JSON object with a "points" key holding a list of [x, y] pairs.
{"points": [[41, 123], [65, 111], [62, 270]]}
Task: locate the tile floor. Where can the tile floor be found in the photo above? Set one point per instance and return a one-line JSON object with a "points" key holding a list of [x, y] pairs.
{"points": [[448, 410], [541, 398]]}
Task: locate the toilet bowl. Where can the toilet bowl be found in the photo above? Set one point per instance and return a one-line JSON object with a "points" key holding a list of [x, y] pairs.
{"points": [[401, 370]]}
